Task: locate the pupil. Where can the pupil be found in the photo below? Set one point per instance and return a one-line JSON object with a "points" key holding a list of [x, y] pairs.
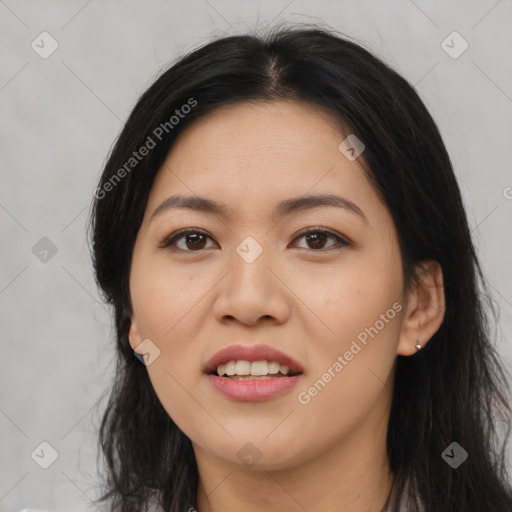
{"points": [[195, 238], [316, 244]]}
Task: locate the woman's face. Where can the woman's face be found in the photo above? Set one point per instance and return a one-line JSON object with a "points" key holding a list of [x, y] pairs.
{"points": [[252, 277]]}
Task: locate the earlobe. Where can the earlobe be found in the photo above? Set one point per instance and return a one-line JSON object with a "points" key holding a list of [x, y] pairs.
{"points": [[134, 334], [425, 309]]}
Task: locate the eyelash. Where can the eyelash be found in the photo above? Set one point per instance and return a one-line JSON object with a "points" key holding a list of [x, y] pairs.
{"points": [[170, 241]]}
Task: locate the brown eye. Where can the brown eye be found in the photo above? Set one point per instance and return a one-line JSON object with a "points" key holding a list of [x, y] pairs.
{"points": [[191, 241], [196, 241], [316, 239]]}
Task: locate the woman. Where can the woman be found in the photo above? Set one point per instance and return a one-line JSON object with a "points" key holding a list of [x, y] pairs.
{"points": [[299, 325]]}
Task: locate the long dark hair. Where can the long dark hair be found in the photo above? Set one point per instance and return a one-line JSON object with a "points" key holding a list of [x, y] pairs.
{"points": [[454, 390]]}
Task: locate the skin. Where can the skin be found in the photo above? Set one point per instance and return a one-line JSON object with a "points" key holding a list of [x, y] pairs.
{"points": [[308, 298]]}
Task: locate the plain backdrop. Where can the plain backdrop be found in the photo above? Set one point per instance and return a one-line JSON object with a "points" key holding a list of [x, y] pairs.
{"points": [[59, 118]]}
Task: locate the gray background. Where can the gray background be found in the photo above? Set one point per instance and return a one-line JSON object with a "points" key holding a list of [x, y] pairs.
{"points": [[59, 117]]}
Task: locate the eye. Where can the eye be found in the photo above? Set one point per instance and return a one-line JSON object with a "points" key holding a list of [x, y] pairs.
{"points": [[318, 236], [195, 239]]}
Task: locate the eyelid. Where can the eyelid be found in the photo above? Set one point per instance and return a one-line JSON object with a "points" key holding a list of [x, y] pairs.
{"points": [[173, 237], [342, 241]]}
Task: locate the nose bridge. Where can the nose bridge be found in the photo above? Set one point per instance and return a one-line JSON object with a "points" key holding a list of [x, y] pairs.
{"points": [[251, 275], [251, 290]]}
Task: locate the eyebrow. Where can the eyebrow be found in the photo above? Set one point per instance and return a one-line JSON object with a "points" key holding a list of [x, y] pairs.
{"points": [[282, 209]]}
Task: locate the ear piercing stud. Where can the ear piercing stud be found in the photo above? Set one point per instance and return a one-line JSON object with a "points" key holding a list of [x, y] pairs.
{"points": [[418, 344]]}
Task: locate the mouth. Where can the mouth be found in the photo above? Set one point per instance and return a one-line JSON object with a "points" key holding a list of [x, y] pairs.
{"points": [[243, 362], [252, 373], [253, 370]]}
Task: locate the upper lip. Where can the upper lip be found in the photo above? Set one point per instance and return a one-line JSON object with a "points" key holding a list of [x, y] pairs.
{"points": [[251, 353]]}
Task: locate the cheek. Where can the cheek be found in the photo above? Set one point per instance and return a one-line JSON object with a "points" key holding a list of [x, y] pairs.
{"points": [[346, 299], [165, 308], [359, 308], [164, 296], [351, 368], [167, 302]]}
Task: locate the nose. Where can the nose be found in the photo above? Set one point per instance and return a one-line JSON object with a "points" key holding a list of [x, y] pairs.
{"points": [[253, 292]]}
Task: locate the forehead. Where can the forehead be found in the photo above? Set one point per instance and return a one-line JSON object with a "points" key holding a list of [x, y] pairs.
{"points": [[268, 129], [253, 155]]}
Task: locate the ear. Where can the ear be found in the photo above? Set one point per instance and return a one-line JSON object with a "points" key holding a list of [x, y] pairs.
{"points": [[134, 334], [425, 308]]}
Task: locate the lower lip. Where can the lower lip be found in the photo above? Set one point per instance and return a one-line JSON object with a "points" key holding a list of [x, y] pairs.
{"points": [[254, 390]]}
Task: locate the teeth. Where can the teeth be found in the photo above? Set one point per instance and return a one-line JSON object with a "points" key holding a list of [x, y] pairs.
{"points": [[230, 368], [256, 368], [243, 368], [273, 367], [251, 377]]}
